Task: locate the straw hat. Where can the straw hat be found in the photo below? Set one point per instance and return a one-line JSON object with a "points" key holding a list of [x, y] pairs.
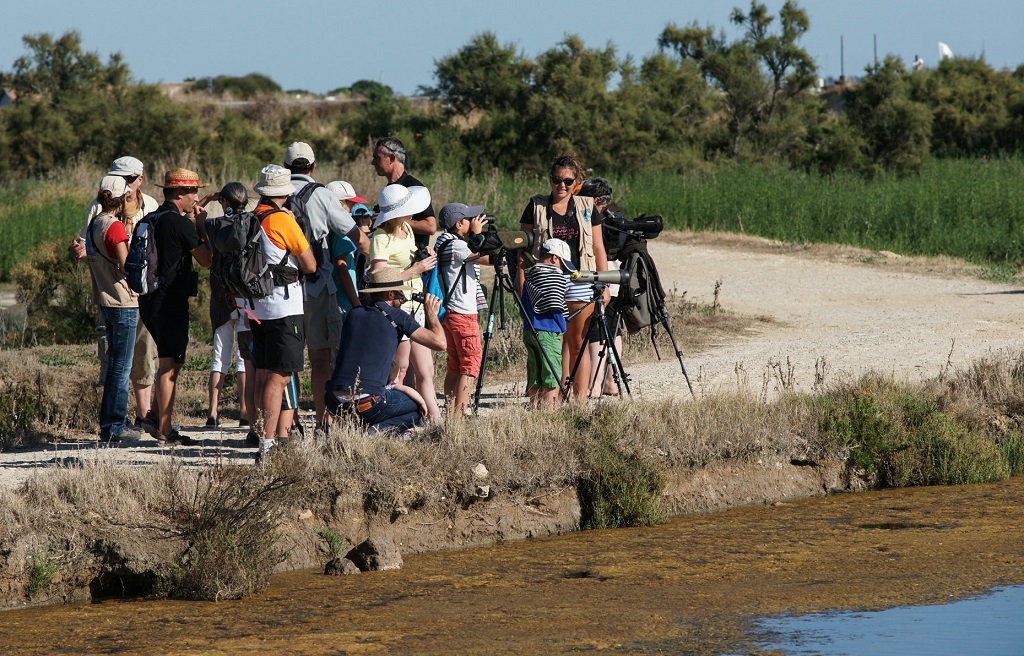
{"points": [[181, 178], [385, 279], [396, 201]]}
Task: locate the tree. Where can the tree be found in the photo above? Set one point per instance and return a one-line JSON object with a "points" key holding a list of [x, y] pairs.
{"points": [[759, 75], [55, 69], [895, 129]]}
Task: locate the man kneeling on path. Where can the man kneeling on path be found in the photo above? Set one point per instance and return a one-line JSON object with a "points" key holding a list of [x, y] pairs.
{"points": [[369, 340]]}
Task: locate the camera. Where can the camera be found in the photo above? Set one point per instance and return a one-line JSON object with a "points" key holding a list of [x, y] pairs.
{"points": [[420, 253], [493, 241], [613, 277], [647, 227], [419, 297], [490, 218]]}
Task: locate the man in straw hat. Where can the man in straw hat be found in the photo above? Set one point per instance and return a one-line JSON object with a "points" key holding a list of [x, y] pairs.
{"points": [[325, 215], [179, 236], [137, 205], [278, 337], [369, 339]]}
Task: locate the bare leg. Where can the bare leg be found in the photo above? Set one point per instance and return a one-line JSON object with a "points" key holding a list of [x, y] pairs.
{"points": [[143, 399], [402, 360], [575, 335], [422, 362], [216, 383], [320, 365], [270, 388], [166, 380], [243, 403]]}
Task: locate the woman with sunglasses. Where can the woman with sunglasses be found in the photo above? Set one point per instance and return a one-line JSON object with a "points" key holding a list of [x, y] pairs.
{"points": [[563, 215]]}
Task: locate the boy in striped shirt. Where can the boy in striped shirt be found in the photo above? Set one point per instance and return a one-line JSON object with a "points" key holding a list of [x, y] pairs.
{"points": [[544, 288]]}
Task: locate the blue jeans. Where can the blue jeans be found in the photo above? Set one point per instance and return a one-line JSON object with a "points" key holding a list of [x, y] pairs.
{"points": [[120, 324], [395, 412]]}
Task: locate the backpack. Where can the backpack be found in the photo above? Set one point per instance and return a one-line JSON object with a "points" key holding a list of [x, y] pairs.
{"points": [[297, 204], [641, 302], [239, 261], [143, 263]]}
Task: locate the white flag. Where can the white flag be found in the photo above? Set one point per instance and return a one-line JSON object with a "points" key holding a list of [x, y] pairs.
{"points": [[944, 51]]}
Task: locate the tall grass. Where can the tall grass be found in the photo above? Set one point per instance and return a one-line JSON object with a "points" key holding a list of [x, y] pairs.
{"points": [[971, 209]]}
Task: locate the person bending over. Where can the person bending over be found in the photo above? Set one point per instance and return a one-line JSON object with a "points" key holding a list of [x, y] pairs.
{"points": [[369, 339]]}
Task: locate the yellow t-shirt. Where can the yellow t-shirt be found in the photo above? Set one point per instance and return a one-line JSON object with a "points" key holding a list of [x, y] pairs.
{"points": [[397, 252]]}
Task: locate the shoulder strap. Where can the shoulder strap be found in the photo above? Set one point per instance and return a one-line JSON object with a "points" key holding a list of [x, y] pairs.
{"points": [[390, 320], [306, 192]]}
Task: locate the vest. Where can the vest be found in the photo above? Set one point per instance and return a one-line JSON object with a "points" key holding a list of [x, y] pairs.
{"points": [[109, 285], [542, 228]]}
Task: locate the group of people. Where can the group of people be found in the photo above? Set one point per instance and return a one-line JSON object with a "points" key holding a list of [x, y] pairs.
{"points": [[344, 281]]}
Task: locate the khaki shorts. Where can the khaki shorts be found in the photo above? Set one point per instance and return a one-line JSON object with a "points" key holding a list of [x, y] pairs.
{"points": [[144, 362], [321, 322]]}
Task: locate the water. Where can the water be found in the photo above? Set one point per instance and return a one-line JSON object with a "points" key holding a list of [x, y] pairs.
{"points": [[989, 624], [690, 586]]}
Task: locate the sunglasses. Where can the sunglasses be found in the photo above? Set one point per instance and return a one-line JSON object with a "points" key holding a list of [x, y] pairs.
{"points": [[130, 179], [568, 182]]}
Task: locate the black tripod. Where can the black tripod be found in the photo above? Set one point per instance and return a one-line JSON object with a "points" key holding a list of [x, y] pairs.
{"points": [[502, 282], [607, 342]]}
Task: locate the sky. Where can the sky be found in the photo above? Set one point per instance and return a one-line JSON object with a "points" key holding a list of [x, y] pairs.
{"points": [[320, 45]]}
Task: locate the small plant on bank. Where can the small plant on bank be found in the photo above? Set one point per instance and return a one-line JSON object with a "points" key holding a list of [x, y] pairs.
{"points": [[42, 571], [335, 541]]}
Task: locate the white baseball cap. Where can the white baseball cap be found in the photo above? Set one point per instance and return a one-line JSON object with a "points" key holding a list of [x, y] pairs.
{"points": [[115, 184], [126, 165], [561, 249], [299, 150], [344, 191]]}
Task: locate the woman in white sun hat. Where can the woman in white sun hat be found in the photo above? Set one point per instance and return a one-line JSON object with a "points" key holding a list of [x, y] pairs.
{"points": [[392, 243]]}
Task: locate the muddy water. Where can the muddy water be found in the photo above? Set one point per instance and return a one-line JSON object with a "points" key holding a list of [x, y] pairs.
{"points": [[694, 585]]}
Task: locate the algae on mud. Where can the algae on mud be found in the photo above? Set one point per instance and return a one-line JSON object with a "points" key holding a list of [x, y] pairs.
{"points": [[692, 585]]}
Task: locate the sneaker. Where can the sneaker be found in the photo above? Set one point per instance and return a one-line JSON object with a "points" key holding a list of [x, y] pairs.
{"points": [[252, 439], [263, 455], [297, 432], [127, 435], [212, 422], [176, 439]]}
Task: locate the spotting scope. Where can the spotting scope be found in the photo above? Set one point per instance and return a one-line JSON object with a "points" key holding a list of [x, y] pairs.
{"points": [[615, 277]]}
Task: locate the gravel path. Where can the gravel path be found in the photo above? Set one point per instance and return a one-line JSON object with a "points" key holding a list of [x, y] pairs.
{"points": [[892, 315]]}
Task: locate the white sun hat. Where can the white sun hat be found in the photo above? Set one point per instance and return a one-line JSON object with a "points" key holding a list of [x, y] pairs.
{"points": [[396, 201]]}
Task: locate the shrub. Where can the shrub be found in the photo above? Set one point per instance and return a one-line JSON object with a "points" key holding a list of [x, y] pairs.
{"points": [[620, 486], [229, 520], [57, 294]]}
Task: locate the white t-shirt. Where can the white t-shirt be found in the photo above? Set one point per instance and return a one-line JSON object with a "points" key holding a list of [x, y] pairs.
{"points": [[451, 253]]}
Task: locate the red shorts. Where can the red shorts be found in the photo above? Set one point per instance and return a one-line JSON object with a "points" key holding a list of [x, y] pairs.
{"points": [[464, 352]]}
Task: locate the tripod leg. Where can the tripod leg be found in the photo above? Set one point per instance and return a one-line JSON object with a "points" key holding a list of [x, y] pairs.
{"points": [[488, 332], [679, 354]]}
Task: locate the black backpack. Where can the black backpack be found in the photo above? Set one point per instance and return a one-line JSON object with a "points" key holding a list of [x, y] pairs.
{"points": [[143, 263], [238, 257], [297, 204], [641, 302]]}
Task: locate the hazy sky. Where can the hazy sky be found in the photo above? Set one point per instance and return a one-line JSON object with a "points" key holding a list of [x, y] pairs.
{"points": [[323, 44]]}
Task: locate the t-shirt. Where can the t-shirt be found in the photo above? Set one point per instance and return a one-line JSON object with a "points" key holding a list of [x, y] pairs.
{"points": [[176, 238], [116, 234], [343, 247], [397, 252], [451, 253], [565, 227], [548, 285], [281, 234], [367, 347], [408, 181]]}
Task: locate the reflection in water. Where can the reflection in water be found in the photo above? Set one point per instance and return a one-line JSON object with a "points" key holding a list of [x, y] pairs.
{"points": [[989, 624], [689, 586]]}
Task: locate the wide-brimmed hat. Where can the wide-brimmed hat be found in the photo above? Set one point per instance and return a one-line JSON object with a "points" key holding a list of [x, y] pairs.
{"points": [[385, 279], [275, 182], [115, 184], [397, 201], [452, 213], [344, 191], [299, 150], [181, 178], [126, 165], [561, 249]]}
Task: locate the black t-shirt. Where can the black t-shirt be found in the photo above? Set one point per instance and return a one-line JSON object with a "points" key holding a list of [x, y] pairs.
{"points": [[368, 345], [176, 237], [408, 181], [565, 227]]}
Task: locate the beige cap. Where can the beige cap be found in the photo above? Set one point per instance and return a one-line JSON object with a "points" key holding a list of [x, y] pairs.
{"points": [[275, 182], [298, 150], [115, 184]]}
